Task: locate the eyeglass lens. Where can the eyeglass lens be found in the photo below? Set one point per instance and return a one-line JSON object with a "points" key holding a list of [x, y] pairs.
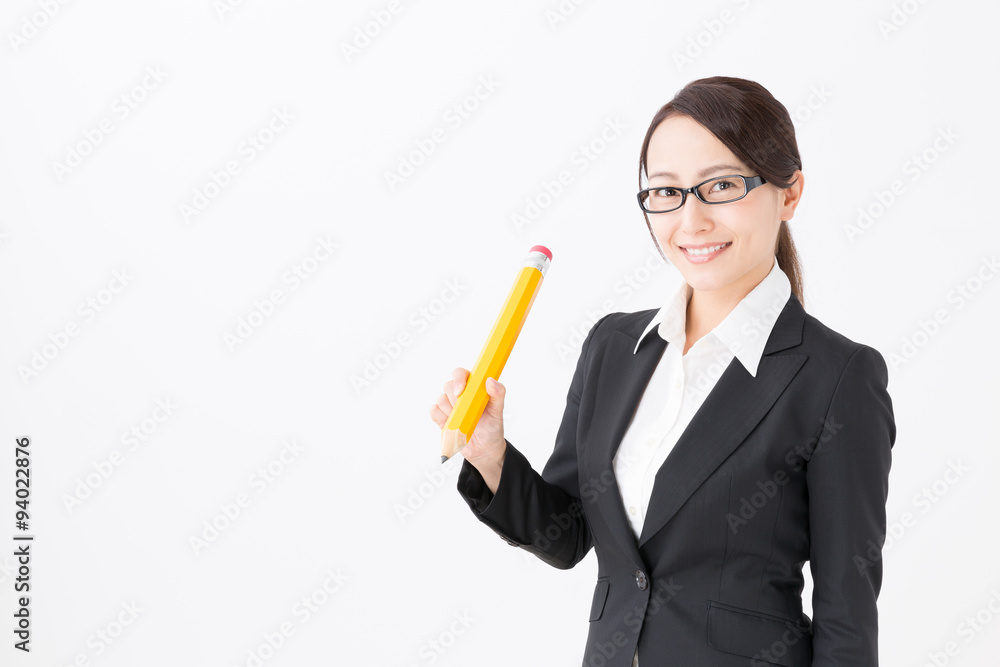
{"points": [[716, 191]]}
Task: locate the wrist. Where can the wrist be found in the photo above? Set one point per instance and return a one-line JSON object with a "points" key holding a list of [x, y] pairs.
{"points": [[490, 469]]}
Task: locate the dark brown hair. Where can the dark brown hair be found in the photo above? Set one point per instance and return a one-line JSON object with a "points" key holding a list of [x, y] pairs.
{"points": [[747, 119]]}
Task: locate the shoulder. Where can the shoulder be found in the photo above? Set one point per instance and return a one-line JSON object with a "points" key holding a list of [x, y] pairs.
{"points": [[832, 352], [796, 332]]}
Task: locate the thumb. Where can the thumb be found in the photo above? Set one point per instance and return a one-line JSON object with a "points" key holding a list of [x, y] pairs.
{"points": [[496, 393]]}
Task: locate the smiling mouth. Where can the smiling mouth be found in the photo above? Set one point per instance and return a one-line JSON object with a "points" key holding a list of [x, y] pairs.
{"points": [[697, 251]]}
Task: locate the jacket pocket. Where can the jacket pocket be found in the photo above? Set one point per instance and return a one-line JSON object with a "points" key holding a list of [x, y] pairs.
{"points": [[767, 638], [600, 596]]}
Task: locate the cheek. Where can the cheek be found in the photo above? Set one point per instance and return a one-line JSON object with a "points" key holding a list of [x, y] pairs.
{"points": [[662, 227], [663, 233], [749, 224]]}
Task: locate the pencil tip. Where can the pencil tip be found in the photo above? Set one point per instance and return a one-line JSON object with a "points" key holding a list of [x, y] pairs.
{"points": [[444, 459]]}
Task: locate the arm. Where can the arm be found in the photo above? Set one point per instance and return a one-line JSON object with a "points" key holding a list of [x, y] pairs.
{"points": [[847, 478], [543, 513]]}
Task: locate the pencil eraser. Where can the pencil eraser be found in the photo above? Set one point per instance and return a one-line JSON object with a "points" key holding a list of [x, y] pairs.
{"points": [[542, 249]]}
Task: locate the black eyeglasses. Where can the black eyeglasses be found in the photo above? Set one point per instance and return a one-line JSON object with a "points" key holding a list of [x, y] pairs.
{"points": [[718, 190]]}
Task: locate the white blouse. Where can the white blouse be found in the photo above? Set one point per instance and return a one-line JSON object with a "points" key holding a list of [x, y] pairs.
{"points": [[680, 383]]}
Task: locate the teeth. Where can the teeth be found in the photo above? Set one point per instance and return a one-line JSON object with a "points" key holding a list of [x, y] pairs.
{"points": [[704, 251]]}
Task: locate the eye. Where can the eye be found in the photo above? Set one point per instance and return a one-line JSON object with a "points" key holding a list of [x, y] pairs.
{"points": [[719, 186], [665, 192]]}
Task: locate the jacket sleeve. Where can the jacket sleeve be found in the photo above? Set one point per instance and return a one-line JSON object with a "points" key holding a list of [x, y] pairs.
{"points": [[848, 483], [543, 513]]}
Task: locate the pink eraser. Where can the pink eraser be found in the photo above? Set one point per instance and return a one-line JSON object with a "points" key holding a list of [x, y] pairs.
{"points": [[542, 249]]}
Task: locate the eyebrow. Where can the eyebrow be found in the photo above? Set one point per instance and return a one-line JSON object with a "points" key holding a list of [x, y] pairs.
{"points": [[701, 174]]}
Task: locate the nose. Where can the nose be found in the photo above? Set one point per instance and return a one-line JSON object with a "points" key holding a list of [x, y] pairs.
{"points": [[695, 215]]}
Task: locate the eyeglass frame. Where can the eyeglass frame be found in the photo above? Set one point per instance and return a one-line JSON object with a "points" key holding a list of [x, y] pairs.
{"points": [[749, 183]]}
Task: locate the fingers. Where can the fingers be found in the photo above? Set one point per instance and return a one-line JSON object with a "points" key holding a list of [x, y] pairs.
{"points": [[496, 393], [459, 377], [453, 388], [439, 416]]}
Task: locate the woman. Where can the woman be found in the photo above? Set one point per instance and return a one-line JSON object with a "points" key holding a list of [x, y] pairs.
{"points": [[707, 463]]}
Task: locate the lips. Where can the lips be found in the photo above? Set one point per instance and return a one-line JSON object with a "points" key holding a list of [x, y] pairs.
{"points": [[704, 248], [704, 252]]}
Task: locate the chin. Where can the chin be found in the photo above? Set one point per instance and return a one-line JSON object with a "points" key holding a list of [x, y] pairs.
{"points": [[707, 279], [704, 285]]}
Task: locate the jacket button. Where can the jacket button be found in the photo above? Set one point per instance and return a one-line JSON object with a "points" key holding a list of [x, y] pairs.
{"points": [[640, 580], [505, 538]]}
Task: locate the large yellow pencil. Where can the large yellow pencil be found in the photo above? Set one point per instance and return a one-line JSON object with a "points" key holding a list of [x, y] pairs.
{"points": [[472, 401]]}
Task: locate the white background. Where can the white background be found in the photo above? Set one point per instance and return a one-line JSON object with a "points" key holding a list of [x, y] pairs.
{"points": [[365, 505]]}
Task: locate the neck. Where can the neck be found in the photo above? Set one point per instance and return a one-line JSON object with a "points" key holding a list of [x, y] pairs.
{"points": [[706, 308]]}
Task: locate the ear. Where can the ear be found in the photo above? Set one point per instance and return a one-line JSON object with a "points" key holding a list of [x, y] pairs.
{"points": [[790, 196]]}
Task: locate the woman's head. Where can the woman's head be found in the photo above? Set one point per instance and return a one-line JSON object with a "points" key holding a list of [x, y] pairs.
{"points": [[723, 126]]}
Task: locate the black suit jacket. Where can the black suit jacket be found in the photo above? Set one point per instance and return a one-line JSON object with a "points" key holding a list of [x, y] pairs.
{"points": [[773, 470]]}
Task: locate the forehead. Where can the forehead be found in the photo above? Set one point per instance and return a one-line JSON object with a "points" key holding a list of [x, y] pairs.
{"points": [[682, 146]]}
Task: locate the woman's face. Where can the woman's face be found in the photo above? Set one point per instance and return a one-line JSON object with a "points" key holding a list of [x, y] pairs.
{"points": [[683, 153]]}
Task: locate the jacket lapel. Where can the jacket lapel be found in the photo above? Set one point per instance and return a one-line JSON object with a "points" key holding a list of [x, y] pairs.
{"points": [[623, 380], [729, 413]]}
